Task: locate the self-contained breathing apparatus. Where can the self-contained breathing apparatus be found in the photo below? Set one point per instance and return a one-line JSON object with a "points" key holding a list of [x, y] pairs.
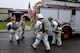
{"points": [[12, 24], [44, 24], [57, 28]]}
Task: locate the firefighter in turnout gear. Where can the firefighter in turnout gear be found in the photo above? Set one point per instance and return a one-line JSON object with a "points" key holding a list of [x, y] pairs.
{"points": [[13, 29], [40, 34], [56, 28], [22, 27]]}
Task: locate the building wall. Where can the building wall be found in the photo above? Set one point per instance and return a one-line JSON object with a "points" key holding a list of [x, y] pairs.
{"points": [[3, 14], [6, 13]]}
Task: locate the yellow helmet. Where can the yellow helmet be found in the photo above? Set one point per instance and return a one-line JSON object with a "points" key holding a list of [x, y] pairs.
{"points": [[50, 18]]}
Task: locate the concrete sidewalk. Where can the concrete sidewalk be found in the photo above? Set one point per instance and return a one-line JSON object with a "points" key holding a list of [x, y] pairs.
{"points": [[27, 28]]}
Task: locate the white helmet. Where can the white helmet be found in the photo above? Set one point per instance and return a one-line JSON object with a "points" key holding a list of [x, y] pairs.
{"points": [[40, 16]]}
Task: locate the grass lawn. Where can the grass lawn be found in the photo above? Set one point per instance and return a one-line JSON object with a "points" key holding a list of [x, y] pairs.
{"points": [[28, 23], [3, 25]]}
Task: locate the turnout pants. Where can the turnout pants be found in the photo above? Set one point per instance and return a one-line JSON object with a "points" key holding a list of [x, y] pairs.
{"points": [[13, 33], [45, 41], [57, 38], [21, 33]]}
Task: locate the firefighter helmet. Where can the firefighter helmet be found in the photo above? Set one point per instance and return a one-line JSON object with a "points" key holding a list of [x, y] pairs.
{"points": [[50, 18], [12, 18], [40, 16]]}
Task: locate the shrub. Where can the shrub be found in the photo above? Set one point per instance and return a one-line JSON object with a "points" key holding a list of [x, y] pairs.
{"points": [[7, 20]]}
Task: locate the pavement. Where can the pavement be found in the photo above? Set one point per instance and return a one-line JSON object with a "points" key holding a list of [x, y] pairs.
{"points": [[71, 45], [27, 28]]}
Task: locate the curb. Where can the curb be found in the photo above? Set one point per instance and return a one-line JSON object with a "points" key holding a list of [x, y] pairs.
{"points": [[2, 31], [6, 31]]}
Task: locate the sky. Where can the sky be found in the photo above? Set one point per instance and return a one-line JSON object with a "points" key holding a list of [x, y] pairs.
{"points": [[17, 4]]}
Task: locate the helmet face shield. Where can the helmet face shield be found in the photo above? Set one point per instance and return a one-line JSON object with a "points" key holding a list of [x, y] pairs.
{"points": [[40, 18]]}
